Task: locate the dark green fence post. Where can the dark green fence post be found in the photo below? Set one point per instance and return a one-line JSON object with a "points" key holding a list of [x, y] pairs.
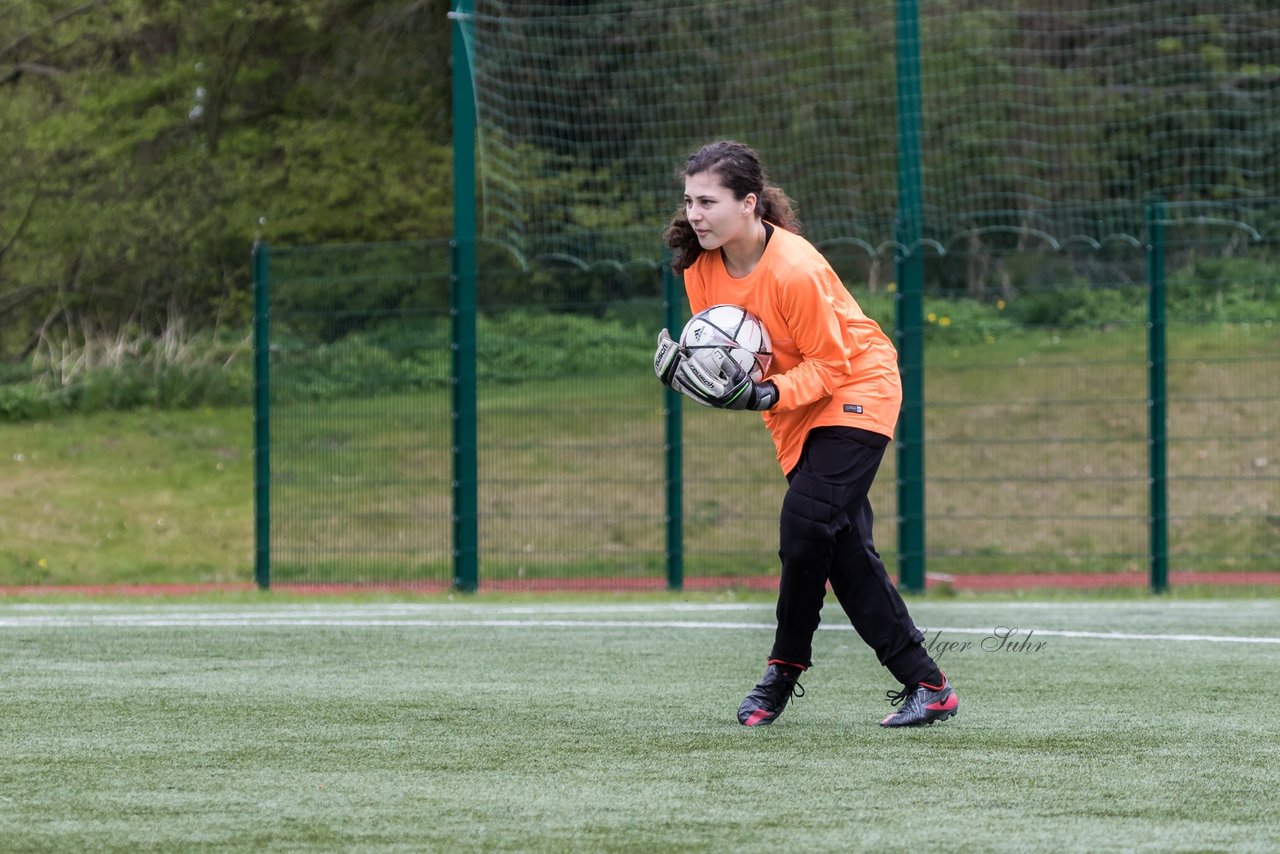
{"points": [[673, 448], [1157, 399], [462, 297], [909, 302], [261, 417]]}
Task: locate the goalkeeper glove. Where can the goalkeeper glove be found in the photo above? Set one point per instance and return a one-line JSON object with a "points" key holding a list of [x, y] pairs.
{"points": [[713, 378], [667, 358]]}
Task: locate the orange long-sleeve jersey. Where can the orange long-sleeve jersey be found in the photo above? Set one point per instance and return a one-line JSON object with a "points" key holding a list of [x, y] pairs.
{"points": [[832, 364]]}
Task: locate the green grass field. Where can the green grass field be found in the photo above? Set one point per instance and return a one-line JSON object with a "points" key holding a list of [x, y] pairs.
{"points": [[132, 497], [1036, 462], [608, 725]]}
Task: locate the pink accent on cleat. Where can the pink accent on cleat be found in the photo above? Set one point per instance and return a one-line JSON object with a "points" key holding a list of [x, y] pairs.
{"points": [[946, 705]]}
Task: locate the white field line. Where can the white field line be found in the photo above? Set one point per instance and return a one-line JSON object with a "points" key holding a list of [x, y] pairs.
{"points": [[589, 609], [392, 608], [370, 618]]}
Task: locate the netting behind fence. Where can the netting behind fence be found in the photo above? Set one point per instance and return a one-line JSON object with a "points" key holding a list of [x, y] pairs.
{"points": [[1047, 120]]}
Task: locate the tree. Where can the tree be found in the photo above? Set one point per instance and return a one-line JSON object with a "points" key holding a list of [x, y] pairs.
{"points": [[145, 144]]}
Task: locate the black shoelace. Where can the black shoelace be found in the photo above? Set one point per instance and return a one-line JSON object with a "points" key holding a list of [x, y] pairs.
{"points": [[896, 697], [780, 688]]}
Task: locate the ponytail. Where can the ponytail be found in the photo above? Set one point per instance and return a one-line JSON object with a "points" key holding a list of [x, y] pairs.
{"points": [[777, 207]]}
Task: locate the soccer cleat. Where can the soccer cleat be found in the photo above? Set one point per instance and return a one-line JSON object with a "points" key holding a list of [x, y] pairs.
{"points": [[922, 704], [767, 700]]}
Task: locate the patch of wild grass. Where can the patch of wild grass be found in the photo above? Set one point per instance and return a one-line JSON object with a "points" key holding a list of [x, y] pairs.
{"points": [[83, 371]]}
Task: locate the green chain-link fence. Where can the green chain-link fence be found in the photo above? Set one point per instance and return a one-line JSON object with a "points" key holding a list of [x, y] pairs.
{"points": [[358, 415], [1057, 446], [1039, 434]]}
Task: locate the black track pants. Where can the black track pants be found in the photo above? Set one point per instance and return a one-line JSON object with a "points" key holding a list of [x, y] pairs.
{"points": [[826, 536]]}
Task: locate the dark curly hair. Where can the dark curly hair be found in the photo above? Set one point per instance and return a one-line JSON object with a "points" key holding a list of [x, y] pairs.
{"points": [[740, 171]]}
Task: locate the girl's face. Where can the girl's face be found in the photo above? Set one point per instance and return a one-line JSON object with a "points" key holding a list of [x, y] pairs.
{"points": [[716, 216]]}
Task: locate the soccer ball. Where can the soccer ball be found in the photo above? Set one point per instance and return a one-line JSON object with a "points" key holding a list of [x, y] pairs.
{"points": [[732, 330]]}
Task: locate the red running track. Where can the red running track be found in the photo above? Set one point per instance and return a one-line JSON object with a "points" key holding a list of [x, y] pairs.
{"points": [[1023, 581]]}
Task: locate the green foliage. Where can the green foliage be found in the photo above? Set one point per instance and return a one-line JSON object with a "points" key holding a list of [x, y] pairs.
{"points": [[522, 344], [1038, 123], [362, 364], [157, 140], [146, 144], [965, 321], [1227, 290], [1198, 289], [513, 346], [174, 371], [322, 294], [561, 283], [27, 401], [1081, 306]]}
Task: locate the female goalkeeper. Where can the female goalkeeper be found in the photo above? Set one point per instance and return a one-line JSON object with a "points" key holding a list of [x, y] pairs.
{"points": [[830, 402]]}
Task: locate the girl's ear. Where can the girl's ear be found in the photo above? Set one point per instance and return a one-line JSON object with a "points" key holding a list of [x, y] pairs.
{"points": [[749, 203]]}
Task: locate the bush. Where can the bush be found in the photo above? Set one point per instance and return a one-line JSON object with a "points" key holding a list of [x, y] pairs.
{"points": [[516, 345], [173, 371], [961, 321], [1225, 290], [1081, 307], [27, 401]]}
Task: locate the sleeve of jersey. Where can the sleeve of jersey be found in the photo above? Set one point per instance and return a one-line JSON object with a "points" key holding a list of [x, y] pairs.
{"points": [[823, 338], [695, 289]]}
